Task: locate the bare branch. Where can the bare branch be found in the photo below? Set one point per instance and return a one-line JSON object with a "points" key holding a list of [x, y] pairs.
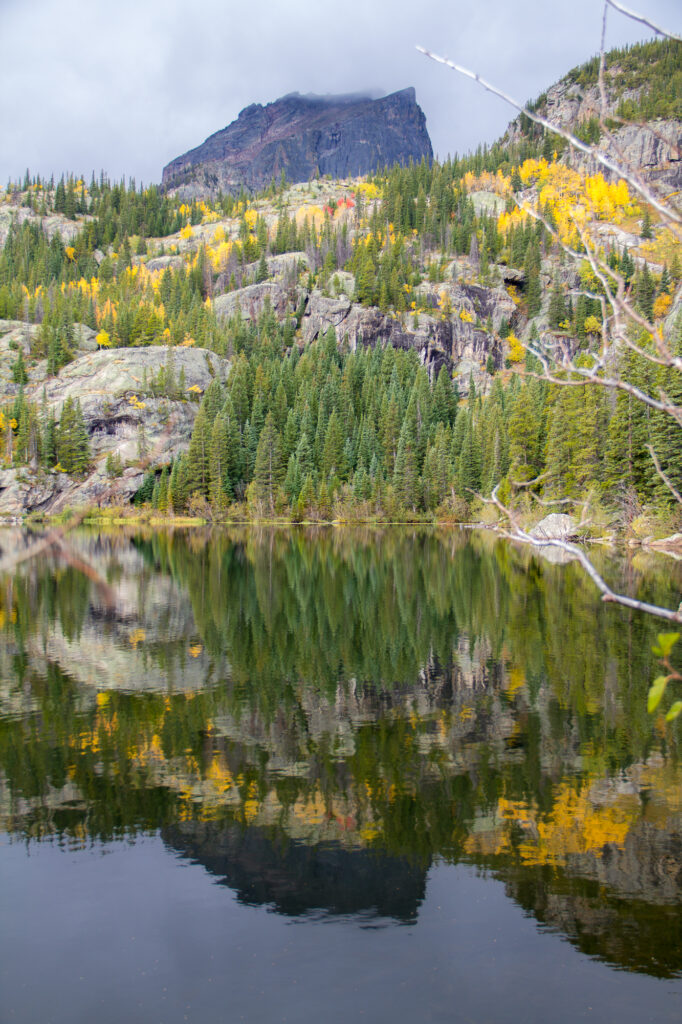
{"points": [[618, 304], [602, 271], [643, 21], [675, 493], [589, 376]]}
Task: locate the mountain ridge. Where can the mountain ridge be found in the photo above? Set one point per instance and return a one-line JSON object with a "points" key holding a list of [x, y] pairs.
{"points": [[303, 137]]}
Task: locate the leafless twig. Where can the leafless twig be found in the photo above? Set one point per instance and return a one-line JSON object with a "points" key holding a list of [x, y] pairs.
{"points": [[673, 490], [643, 21]]}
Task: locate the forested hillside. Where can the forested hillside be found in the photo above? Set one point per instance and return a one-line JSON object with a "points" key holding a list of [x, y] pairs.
{"points": [[380, 370]]}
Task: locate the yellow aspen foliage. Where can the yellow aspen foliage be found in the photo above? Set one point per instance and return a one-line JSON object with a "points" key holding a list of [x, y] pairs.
{"points": [[662, 304], [517, 352], [103, 340], [368, 189], [573, 198], [486, 181], [315, 214], [70, 252], [507, 221], [466, 316], [592, 325], [186, 231]]}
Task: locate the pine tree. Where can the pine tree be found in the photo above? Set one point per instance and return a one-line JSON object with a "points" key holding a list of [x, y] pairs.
{"points": [[557, 312], [525, 450], [19, 374], [469, 468], [332, 462], [267, 473], [73, 449], [406, 472], [666, 433], [220, 484], [533, 289], [198, 455]]}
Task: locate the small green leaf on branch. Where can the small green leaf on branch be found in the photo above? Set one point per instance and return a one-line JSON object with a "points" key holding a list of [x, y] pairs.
{"points": [[656, 692]]}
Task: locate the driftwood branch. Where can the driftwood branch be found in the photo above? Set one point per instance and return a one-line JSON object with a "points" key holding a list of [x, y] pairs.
{"points": [[517, 533]]}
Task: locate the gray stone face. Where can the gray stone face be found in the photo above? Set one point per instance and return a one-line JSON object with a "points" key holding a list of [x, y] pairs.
{"points": [[462, 345], [121, 418], [304, 137]]}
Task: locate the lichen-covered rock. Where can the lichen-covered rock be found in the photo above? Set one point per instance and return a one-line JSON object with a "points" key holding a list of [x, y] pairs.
{"points": [[23, 489], [16, 336], [440, 339], [169, 262], [653, 151]]}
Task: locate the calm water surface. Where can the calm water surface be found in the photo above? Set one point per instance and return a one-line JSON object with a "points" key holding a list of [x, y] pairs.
{"points": [[292, 776]]}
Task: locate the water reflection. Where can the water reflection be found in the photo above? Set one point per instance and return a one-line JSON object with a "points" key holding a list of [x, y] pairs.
{"points": [[317, 719]]}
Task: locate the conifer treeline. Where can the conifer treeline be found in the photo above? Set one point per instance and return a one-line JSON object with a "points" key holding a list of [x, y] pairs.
{"points": [[328, 432]]}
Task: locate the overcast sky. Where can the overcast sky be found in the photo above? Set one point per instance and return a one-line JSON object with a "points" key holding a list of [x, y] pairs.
{"points": [[127, 85]]}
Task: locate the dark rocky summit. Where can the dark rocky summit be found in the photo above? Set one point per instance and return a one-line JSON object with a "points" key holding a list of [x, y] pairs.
{"points": [[304, 137]]}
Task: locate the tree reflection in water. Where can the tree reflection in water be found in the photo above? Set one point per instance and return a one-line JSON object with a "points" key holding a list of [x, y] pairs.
{"points": [[317, 717]]}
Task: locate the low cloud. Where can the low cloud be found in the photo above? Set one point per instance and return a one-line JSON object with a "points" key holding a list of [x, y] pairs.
{"points": [[126, 88]]}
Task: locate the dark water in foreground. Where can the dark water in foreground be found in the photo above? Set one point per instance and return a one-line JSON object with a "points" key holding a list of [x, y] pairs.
{"points": [[278, 776]]}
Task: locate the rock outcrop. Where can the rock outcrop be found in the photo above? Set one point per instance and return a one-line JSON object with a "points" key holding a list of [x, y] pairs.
{"points": [[651, 150], [462, 342], [303, 137], [54, 224], [123, 416]]}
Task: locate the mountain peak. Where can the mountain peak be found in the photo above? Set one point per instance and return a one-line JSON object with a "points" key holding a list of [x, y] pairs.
{"points": [[304, 136]]}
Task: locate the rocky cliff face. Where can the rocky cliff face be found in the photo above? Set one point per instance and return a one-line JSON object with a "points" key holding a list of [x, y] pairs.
{"points": [[122, 418], [304, 137], [652, 150], [463, 345]]}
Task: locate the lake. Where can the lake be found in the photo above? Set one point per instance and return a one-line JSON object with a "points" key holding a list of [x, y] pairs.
{"points": [[325, 775]]}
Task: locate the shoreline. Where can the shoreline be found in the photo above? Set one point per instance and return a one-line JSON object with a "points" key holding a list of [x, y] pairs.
{"points": [[670, 545]]}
